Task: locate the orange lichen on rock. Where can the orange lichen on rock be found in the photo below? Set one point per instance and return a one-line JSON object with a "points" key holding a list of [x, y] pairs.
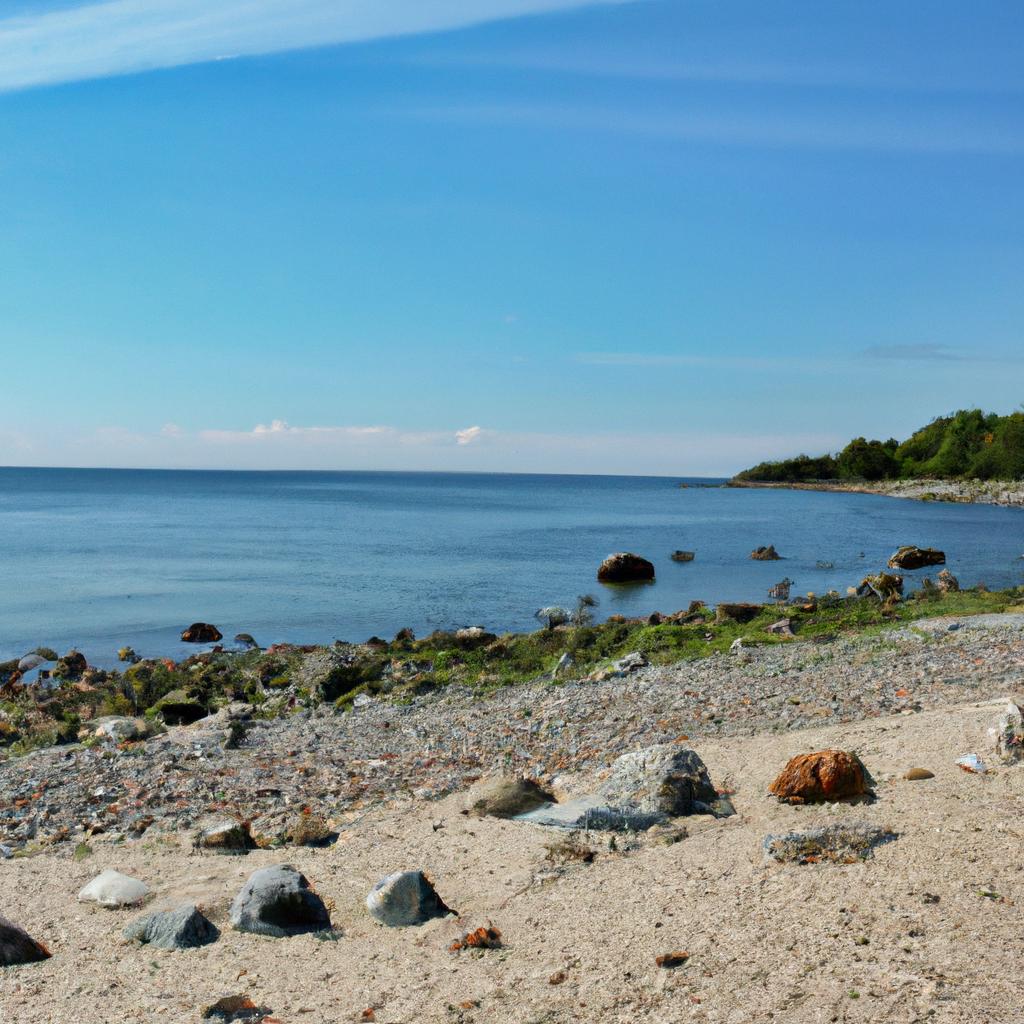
{"points": [[823, 775], [487, 937]]}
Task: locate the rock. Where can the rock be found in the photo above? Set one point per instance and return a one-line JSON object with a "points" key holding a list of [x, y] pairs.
{"points": [[841, 843], [247, 641], [278, 901], [30, 662], [765, 554], [178, 708], [644, 788], [918, 775], [71, 666], [823, 775], [726, 612], [564, 667], [948, 583], [201, 633], [224, 836], [1008, 733], [682, 556], [291, 828], [625, 567], [127, 654], [911, 557], [404, 636], [184, 928], [18, 947], [506, 796], [783, 627], [631, 662], [235, 1008], [404, 899], [474, 636], [884, 586], [115, 729], [112, 889]]}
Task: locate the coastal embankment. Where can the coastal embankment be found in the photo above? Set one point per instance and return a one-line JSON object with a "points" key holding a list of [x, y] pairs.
{"points": [[1009, 493]]}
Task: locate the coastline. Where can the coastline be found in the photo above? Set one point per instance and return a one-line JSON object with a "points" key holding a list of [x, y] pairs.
{"points": [[1006, 493]]}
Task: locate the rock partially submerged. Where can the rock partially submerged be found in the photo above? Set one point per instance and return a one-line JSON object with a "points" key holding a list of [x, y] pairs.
{"points": [[911, 557], [840, 843], [18, 947], [183, 928], [506, 796], [644, 788], [405, 899], [820, 776], [765, 554], [625, 567], [112, 889], [201, 633], [279, 902]]}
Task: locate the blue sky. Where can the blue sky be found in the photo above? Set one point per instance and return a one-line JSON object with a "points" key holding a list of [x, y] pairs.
{"points": [[661, 236]]}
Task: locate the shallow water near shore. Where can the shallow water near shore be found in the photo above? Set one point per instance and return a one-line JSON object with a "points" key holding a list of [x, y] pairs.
{"points": [[101, 558]]}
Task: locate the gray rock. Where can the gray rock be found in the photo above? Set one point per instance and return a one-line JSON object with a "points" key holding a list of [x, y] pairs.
{"points": [[506, 796], [278, 901], [112, 889], [225, 836], [183, 928], [841, 843], [405, 898], [564, 666], [631, 662], [117, 729], [1008, 733], [18, 947]]}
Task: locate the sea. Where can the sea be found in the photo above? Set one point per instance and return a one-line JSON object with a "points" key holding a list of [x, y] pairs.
{"points": [[97, 559]]}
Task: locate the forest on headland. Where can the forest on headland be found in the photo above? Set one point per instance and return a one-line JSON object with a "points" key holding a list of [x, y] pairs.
{"points": [[969, 444]]}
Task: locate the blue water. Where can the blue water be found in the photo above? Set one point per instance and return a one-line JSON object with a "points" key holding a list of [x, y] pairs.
{"points": [[101, 558]]}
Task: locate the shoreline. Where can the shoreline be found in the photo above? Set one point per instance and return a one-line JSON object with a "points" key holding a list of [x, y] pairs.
{"points": [[1004, 493]]}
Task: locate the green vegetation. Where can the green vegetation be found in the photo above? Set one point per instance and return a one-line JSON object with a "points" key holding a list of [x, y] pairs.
{"points": [[287, 678], [969, 444]]}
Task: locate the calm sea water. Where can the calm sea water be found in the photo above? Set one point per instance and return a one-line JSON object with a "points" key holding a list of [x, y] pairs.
{"points": [[101, 558]]}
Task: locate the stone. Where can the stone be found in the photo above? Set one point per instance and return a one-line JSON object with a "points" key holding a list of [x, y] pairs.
{"points": [[235, 1008], [246, 640], [183, 928], [643, 789], [224, 836], [178, 708], [765, 554], [1008, 733], [506, 796], [71, 666], [736, 612], [115, 729], [948, 583], [911, 557], [840, 843], [820, 776], [112, 889], [279, 902], [127, 654], [18, 947], [683, 556], [625, 567], [564, 667], [30, 662], [918, 775], [404, 899], [631, 662], [884, 586], [474, 636], [201, 633], [783, 627]]}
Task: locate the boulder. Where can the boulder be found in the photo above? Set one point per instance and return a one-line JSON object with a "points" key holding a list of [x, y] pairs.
{"points": [[948, 583], [765, 554], [506, 796], [201, 633], [840, 843], [823, 775], [278, 901], [736, 612], [631, 662], [30, 662], [918, 775], [1008, 733], [112, 889], [115, 729], [178, 708], [911, 557], [246, 640], [884, 586], [404, 899], [71, 666], [644, 788], [683, 556], [291, 828], [183, 928], [224, 836], [474, 636], [18, 947], [784, 627], [565, 665], [625, 567]]}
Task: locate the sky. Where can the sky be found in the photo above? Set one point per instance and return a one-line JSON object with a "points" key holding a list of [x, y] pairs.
{"points": [[657, 237]]}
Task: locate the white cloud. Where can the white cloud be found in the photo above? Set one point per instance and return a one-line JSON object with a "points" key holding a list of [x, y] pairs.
{"points": [[111, 37], [468, 436], [171, 430]]}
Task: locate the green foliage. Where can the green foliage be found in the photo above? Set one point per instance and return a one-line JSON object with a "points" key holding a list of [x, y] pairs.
{"points": [[968, 444]]}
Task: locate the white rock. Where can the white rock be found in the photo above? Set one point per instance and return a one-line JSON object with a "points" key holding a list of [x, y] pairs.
{"points": [[112, 889]]}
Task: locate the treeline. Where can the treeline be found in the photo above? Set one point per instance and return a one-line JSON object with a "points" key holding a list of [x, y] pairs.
{"points": [[969, 444]]}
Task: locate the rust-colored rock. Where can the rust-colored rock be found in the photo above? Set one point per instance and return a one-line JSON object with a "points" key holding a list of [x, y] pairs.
{"points": [[625, 567], [823, 775], [201, 633], [911, 557], [765, 554]]}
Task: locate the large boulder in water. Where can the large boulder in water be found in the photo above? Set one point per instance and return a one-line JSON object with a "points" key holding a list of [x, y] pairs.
{"points": [[911, 557], [18, 947], [823, 775], [625, 567], [278, 901], [765, 554], [201, 633]]}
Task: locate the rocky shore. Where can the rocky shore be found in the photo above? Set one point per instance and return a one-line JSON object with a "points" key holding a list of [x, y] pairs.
{"points": [[980, 492], [690, 920]]}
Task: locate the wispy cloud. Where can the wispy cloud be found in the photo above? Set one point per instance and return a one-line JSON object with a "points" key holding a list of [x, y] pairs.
{"points": [[469, 435], [925, 353], [112, 37]]}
